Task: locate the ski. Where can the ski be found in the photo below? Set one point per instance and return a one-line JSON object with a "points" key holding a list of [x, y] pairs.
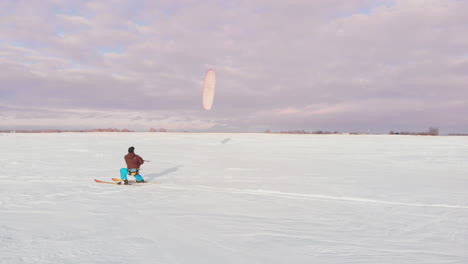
{"points": [[108, 182], [117, 180]]}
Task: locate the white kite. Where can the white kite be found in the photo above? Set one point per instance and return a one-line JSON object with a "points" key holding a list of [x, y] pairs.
{"points": [[209, 89]]}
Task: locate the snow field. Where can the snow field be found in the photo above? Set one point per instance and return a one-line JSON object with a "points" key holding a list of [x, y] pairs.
{"points": [[234, 198]]}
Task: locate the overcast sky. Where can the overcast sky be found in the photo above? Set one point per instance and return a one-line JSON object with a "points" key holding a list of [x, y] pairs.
{"points": [[334, 65]]}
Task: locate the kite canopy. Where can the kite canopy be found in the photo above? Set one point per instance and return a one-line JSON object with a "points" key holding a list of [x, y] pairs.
{"points": [[209, 89]]}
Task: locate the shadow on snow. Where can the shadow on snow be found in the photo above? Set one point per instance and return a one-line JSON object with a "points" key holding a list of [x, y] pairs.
{"points": [[151, 176]]}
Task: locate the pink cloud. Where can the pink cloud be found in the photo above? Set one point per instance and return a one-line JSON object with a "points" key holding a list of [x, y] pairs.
{"points": [[315, 110]]}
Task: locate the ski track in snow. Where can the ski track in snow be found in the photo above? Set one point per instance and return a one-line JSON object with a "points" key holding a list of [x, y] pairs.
{"points": [[308, 196], [244, 169]]}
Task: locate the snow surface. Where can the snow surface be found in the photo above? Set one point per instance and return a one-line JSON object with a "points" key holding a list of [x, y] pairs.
{"points": [[234, 198]]}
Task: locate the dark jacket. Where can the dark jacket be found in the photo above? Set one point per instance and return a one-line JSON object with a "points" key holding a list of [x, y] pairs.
{"points": [[133, 161]]}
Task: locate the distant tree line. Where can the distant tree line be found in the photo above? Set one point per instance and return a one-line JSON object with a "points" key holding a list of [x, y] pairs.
{"points": [[63, 131], [433, 131], [81, 130], [320, 132], [158, 130]]}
